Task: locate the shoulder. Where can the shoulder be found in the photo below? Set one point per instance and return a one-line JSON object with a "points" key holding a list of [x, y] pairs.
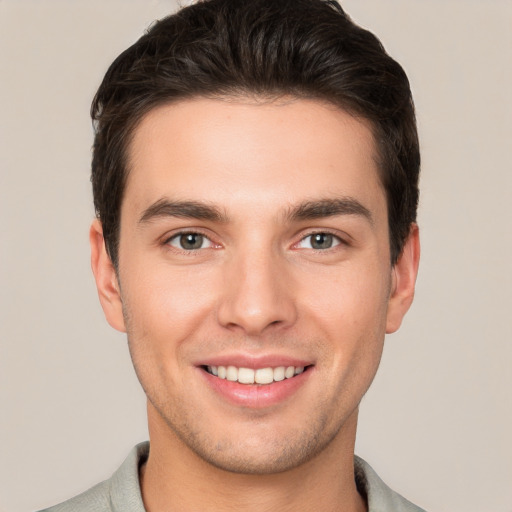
{"points": [[120, 493], [379, 496], [96, 498]]}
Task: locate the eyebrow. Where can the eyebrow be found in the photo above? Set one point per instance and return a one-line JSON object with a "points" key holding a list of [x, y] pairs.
{"points": [[182, 209], [317, 209], [307, 210]]}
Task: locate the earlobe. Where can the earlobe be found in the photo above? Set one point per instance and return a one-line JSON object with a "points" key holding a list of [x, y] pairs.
{"points": [[404, 275], [106, 278]]}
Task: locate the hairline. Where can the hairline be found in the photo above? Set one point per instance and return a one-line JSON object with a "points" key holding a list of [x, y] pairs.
{"points": [[251, 97]]}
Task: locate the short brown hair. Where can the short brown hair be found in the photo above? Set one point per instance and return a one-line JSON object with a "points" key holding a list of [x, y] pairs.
{"points": [[269, 48]]}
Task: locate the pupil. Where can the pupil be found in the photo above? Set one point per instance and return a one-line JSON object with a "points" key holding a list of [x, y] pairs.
{"points": [[191, 241], [322, 241]]}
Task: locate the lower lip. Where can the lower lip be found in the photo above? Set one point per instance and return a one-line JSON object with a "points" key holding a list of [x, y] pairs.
{"points": [[256, 396]]}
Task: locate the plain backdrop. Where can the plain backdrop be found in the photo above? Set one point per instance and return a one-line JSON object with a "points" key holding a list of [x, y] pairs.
{"points": [[437, 423]]}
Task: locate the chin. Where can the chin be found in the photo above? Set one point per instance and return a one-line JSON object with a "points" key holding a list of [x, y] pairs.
{"points": [[263, 451]]}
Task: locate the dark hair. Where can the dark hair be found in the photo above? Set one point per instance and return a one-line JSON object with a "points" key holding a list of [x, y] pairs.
{"points": [[268, 48]]}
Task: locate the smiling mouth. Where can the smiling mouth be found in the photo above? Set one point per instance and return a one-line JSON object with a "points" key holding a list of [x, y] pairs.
{"points": [[257, 376]]}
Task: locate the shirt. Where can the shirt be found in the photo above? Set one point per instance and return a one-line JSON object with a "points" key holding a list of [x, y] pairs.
{"points": [[121, 492]]}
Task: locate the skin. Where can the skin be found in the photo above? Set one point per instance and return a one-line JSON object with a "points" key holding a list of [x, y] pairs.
{"points": [[256, 288]]}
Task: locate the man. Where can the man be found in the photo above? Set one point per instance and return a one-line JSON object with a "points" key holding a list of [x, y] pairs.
{"points": [[255, 177]]}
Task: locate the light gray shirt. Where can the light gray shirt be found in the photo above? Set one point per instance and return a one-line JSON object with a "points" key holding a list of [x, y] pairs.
{"points": [[121, 492]]}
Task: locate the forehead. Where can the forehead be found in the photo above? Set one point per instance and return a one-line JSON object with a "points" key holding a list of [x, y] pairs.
{"points": [[246, 153]]}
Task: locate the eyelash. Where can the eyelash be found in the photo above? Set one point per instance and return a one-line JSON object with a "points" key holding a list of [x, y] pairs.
{"points": [[167, 242], [337, 238], [177, 236]]}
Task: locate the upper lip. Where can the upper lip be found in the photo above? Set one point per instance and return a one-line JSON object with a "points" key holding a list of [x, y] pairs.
{"points": [[254, 362]]}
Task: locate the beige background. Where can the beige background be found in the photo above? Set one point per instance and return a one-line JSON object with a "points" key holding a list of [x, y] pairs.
{"points": [[437, 423]]}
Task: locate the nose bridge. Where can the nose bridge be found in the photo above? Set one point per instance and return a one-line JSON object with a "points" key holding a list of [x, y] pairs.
{"points": [[257, 294]]}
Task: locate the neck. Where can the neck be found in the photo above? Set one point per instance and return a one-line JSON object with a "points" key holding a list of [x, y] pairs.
{"points": [[175, 478]]}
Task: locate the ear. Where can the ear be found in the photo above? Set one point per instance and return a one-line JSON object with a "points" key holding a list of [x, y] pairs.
{"points": [[106, 278], [404, 275]]}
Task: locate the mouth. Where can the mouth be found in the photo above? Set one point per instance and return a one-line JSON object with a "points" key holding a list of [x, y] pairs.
{"points": [[259, 376]]}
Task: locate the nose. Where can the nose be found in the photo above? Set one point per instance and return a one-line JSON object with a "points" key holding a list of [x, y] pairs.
{"points": [[257, 294]]}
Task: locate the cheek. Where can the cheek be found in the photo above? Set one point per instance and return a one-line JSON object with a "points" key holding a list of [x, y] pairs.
{"points": [[350, 297], [349, 312], [163, 312], [164, 298]]}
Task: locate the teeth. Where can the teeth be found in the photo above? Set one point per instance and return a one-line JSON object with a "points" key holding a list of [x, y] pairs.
{"points": [[289, 372], [232, 373], [279, 373], [246, 376], [264, 376], [259, 376]]}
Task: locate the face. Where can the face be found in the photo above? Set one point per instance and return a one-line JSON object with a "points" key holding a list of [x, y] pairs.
{"points": [[254, 277]]}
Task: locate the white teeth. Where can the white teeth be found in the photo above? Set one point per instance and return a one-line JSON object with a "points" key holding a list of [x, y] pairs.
{"points": [[289, 372], [264, 376], [279, 373], [232, 373], [246, 375], [259, 376]]}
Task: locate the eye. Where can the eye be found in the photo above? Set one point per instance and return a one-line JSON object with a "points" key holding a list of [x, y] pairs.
{"points": [[190, 241], [319, 241]]}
